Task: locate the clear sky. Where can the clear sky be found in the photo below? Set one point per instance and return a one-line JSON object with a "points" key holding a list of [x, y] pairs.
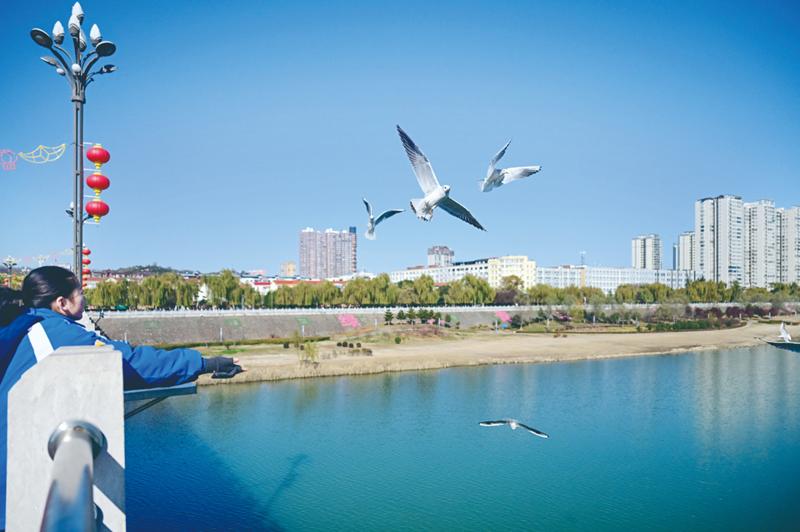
{"points": [[233, 125]]}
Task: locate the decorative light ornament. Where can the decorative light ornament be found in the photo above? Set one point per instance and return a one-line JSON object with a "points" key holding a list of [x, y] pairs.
{"points": [[86, 251], [97, 181], [97, 209], [86, 262]]}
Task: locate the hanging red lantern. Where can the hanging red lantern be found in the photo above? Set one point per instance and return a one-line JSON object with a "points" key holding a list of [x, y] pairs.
{"points": [[86, 262], [98, 182], [86, 251], [98, 155], [97, 208], [86, 271]]}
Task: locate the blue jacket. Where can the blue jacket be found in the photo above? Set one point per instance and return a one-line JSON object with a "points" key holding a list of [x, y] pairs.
{"points": [[33, 335]]}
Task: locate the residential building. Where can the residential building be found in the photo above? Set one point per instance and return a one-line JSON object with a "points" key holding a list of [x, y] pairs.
{"points": [[685, 251], [518, 265], [444, 274], [328, 254], [646, 251], [719, 239], [609, 278], [761, 253], [788, 221], [439, 256]]}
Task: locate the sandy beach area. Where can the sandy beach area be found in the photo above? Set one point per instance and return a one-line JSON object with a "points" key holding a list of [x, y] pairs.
{"points": [[268, 363]]}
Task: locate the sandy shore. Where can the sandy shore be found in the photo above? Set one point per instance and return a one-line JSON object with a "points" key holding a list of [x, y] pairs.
{"points": [[489, 348]]}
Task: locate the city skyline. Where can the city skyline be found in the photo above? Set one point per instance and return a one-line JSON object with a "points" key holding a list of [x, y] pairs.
{"points": [[630, 118]]}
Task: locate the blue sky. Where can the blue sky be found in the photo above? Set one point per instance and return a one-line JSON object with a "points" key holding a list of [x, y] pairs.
{"points": [[234, 125]]}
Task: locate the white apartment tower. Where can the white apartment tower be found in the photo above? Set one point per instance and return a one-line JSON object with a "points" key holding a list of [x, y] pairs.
{"points": [[761, 253], [328, 254], [685, 251], [788, 221], [719, 239], [646, 252]]}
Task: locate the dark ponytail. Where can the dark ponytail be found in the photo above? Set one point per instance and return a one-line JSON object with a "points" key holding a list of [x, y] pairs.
{"points": [[44, 285], [10, 305], [40, 288]]}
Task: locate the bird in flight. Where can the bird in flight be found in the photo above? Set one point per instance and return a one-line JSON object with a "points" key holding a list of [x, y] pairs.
{"points": [[370, 234], [514, 424], [497, 177], [436, 195]]}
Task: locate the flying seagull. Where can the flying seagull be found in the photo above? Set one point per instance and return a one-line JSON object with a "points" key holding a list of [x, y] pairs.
{"points": [[436, 195], [370, 234], [496, 178], [513, 423]]}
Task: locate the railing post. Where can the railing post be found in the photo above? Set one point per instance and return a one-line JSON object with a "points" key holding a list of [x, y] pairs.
{"points": [[73, 383]]}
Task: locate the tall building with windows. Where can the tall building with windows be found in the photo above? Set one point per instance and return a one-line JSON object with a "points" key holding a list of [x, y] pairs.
{"points": [[328, 254], [685, 258], [761, 253], [719, 239], [646, 251], [788, 221], [440, 256]]}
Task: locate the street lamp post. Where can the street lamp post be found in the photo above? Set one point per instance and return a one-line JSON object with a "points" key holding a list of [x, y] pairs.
{"points": [[9, 263], [77, 69]]}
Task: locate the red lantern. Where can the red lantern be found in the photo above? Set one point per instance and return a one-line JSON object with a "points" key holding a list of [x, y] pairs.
{"points": [[86, 262], [98, 182], [98, 155], [86, 251], [97, 208], [86, 271]]}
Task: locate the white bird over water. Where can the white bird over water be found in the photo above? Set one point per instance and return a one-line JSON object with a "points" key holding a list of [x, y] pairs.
{"points": [[436, 195], [514, 424], [785, 334], [496, 178], [370, 234]]}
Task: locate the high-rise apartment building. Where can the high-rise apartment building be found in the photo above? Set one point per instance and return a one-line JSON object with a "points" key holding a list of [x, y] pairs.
{"points": [[646, 252], [761, 253], [328, 254], [788, 221], [440, 256], [685, 251], [719, 239]]}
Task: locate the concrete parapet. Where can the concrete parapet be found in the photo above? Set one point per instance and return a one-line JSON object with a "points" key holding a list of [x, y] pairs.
{"points": [[73, 383]]}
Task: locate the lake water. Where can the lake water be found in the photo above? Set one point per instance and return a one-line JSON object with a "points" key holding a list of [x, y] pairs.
{"points": [[698, 441]]}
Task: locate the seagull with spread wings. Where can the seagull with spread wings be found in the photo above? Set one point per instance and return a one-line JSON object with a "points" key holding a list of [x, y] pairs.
{"points": [[436, 195], [497, 177], [514, 424], [372, 222]]}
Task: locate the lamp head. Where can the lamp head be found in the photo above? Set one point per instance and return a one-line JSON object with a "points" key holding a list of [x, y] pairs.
{"points": [[105, 48], [77, 11], [94, 35], [41, 38], [58, 32]]}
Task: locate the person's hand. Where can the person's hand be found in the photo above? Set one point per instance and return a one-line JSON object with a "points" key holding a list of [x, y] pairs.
{"points": [[222, 367]]}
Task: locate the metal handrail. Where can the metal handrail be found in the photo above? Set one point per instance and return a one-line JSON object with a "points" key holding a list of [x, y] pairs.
{"points": [[73, 446]]}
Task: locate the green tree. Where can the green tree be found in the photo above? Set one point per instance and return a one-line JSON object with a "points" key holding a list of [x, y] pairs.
{"points": [[425, 291], [388, 317]]}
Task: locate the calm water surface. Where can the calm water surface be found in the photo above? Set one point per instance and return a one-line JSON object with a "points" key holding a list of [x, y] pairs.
{"points": [[698, 441]]}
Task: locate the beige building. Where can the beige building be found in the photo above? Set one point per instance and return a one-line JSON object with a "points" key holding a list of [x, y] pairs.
{"points": [[518, 265]]}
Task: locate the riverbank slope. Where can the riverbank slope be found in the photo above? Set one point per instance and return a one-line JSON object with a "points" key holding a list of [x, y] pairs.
{"points": [[274, 363]]}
